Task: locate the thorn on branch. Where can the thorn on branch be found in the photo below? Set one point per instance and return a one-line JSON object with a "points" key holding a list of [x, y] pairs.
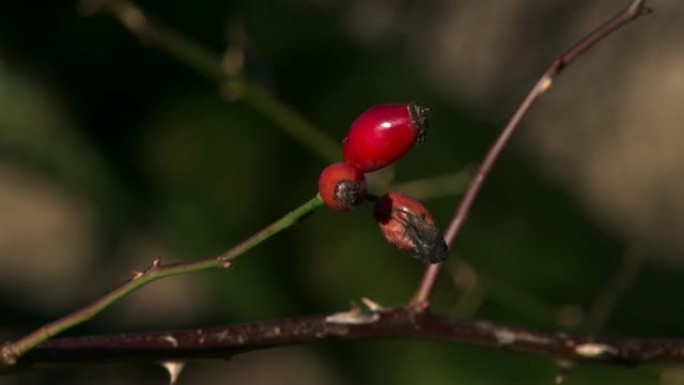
{"points": [[174, 369], [137, 274], [355, 316], [372, 305]]}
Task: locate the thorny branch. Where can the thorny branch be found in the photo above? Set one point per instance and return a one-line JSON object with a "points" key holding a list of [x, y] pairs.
{"points": [[636, 9], [357, 324]]}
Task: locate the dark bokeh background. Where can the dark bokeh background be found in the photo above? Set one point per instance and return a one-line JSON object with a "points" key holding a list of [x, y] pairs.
{"points": [[113, 153]]}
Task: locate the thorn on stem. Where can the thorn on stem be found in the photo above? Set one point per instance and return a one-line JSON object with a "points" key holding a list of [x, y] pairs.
{"points": [[371, 305], [156, 264], [174, 369], [137, 274]]}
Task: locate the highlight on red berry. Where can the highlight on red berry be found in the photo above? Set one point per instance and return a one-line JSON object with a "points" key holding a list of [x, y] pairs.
{"points": [[383, 134], [410, 227], [342, 187]]}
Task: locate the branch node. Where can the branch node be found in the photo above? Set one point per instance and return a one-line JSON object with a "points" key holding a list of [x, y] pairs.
{"points": [[8, 355], [419, 306], [224, 263]]}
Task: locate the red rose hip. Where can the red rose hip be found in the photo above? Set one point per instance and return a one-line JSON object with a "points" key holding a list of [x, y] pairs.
{"points": [[342, 187], [410, 227], [383, 134]]}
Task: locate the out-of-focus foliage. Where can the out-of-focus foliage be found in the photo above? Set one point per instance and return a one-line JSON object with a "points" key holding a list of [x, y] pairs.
{"points": [[112, 154]]}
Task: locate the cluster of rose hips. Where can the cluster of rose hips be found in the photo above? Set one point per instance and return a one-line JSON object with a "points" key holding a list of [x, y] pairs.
{"points": [[378, 138]]}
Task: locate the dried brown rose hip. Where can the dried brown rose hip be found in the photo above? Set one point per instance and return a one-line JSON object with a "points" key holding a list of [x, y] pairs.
{"points": [[410, 227]]}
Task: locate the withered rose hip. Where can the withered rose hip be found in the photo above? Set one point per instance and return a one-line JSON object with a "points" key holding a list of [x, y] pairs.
{"points": [[410, 227], [342, 187], [383, 134]]}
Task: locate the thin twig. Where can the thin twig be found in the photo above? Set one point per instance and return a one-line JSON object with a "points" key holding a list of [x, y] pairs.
{"points": [[400, 322], [633, 11], [11, 351], [153, 32]]}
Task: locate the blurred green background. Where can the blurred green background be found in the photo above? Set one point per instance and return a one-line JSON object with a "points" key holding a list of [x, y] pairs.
{"points": [[113, 153]]}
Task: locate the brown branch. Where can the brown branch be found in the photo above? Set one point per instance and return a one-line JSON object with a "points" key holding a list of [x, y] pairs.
{"points": [[543, 84], [400, 322]]}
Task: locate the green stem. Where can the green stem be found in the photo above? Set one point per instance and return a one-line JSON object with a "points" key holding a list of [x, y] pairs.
{"points": [[290, 219], [11, 351]]}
